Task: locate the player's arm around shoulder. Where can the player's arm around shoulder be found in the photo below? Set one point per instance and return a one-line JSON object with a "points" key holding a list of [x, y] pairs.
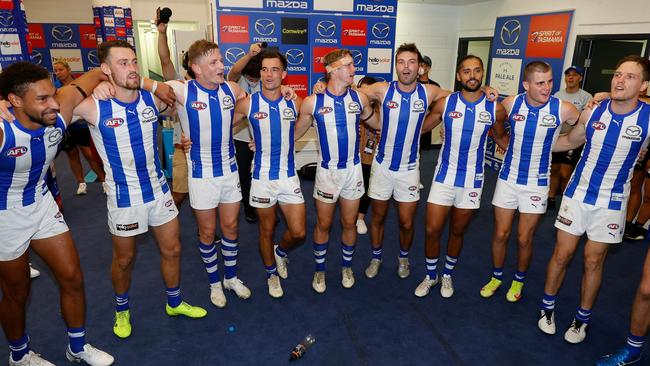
{"points": [[305, 117], [242, 107], [375, 92], [87, 110], [237, 91], [570, 113], [507, 104], [578, 134], [499, 128], [435, 93], [434, 117], [368, 113]]}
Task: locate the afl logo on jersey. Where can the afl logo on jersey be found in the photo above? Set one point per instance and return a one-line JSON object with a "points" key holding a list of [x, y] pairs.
{"points": [[199, 106], [455, 114], [325, 110], [518, 117], [260, 115], [599, 126], [392, 104], [15, 152], [113, 122]]}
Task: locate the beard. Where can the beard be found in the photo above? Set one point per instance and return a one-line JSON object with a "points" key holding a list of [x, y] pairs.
{"points": [[127, 83], [466, 87], [41, 119]]}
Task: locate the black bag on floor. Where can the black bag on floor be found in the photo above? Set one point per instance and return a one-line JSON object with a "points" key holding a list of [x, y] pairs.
{"points": [[308, 171]]}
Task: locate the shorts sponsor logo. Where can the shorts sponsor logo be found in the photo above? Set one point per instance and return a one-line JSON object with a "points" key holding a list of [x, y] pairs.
{"points": [[260, 115], [455, 114], [563, 220], [297, 191], [113, 122], [325, 195], [392, 104], [127, 227], [325, 110], [261, 199], [599, 126], [518, 117], [199, 106]]}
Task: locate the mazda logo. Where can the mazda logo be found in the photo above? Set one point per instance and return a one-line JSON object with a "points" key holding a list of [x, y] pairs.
{"points": [[418, 104], [548, 119], [356, 56], [264, 26], [510, 32], [37, 57], [234, 54], [6, 19], [62, 33], [326, 28], [56, 135], [288, 113], [295, 56], [380, 30], [633, 131], [92, 57], [148, 112]]}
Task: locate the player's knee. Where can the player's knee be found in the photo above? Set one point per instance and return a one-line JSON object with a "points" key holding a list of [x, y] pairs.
{"points": [[406, 225], [501, 235], [298, 235], [524, 241], [16, 292], [562, 258], [172, 250], [71, 279], [593, 263]]}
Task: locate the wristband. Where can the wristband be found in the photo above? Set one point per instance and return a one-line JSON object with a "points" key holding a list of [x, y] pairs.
{"points": [[154, 87]]}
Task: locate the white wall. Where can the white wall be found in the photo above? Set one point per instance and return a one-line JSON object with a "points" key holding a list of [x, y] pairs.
{"points": [[68, 11], [434, 29]]}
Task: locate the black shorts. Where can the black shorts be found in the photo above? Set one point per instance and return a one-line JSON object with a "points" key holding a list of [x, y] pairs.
{"points": [[74, 136], [569, 157]]}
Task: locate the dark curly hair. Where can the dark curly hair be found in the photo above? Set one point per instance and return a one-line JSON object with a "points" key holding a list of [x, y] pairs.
{"points": [[15, 79]]}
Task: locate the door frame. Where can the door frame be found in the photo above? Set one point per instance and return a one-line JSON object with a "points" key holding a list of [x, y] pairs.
{"points": [[462, 51]]}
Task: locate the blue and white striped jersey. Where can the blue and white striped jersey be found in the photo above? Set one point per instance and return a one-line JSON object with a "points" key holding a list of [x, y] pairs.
{"points": [[533, 131], [337, 126], [273, 124], [25, 156], [603, 174], [402, 115], [466, 125], [206, 118], [125, 135]]}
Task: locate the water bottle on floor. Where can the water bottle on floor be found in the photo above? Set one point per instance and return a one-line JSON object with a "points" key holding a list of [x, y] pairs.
{"points": [[302, 347]]}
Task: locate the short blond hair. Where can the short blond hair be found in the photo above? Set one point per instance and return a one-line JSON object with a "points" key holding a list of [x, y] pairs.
{"points": [[199, 49]]}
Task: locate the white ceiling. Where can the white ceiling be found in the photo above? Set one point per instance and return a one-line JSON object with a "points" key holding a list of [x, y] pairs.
{"points": [[446, 2]]}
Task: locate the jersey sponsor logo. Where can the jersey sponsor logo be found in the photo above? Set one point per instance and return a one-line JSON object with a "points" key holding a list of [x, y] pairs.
{"points": [[260, 115], [325, 110], [418, 106], [149, 115], [518, 117], [199, 106], [264, 200], [563, 220], [354, 108], [114, 122], [392, 104], [288, 113], [484, 117], [55, 137], [17, 151], [633, 133], [127, 227], [455, 114], [599, 126], [548, 121], [227, 102]]}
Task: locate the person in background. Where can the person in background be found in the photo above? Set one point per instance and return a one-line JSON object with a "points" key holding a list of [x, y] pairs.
{"points": [[77, 136], [423, 78], [246, 73], [563, 163], [368, 147]]}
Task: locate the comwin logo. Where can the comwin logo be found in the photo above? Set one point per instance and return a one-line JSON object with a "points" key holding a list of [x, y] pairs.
{"points": [[264, 27], [260, 115], [326, 28], [455, 114], [15, 152], [113, 122], [518, 117], [234, 54], [62, 33], [392, 104], [380, 30], [599, 126], [199, 106], [295, 56], [510, 32]]}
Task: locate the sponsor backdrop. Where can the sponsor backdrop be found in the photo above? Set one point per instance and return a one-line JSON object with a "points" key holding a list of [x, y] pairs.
{"points": [[517, 41], [74, 43], [307, 30], [113, 22], [13, 32]]}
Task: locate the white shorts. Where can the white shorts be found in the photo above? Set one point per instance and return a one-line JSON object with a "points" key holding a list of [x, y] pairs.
{"points": [[384, 183], [208, 193], [601, 224], [331, 184], [20, 225], [266, 193], [446, 195], [527, 199], [131, 221]]}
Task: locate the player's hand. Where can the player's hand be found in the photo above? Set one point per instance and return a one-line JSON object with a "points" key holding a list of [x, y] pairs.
{"points": [[288, 93], [255, 49], [491, 93], [251, 145], [598, 97], [4, 111], [104, 91], [186, 143], [642, 155], [162, 27], [319, 87], [165, 93], [442, 134]]}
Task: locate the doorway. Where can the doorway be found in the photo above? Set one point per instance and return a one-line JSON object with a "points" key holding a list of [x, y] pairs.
{"points": [[478, 46], [599, 54]]}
